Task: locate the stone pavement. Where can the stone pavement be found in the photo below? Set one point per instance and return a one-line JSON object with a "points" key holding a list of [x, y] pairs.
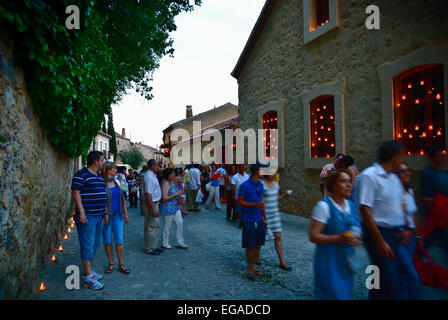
{"points": [[213, 266]]}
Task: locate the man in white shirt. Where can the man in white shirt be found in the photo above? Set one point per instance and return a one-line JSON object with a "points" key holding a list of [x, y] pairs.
{"points": [[193, 187], [386, 232], [152, 195], [237, 180]]}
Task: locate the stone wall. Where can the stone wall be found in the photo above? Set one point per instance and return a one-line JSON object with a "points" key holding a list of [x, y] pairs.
{"points": [[34, 185], [281, 66]]}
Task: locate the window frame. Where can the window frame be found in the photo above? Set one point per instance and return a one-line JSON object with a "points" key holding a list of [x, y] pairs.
{"points": [[337, 90], [387, 71], [278, 106], [308, 17]]}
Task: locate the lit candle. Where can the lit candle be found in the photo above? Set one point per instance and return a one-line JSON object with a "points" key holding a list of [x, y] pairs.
{"points": [[315, 132], [332, 145], [430, 127], [41, 287], [322, 127], [421, 152], [438, 96], [439, 133], [69, 230], [313, 145], [411, 136], [424, 134], [329, 129], [403, 97], [399, 135], [417, 128], [444, 151], [321, 117], [405, 130], [422, 82], [328, 156], [315, 121], [318, 109], [60, 248], [331, 118], [319, 139], [409, 153], [325, 107], [66, 237], [409, 86], [417, 101], [53, 258], [398, 105]]}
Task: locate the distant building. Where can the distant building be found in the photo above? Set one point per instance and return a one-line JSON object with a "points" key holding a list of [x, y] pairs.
{"points": [[123, 142], [220, 118], [101, 143]]}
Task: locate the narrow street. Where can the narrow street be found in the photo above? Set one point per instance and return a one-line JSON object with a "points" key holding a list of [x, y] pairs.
{"points": [[213, 266]]}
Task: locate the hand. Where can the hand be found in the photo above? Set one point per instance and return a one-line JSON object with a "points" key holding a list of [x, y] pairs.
{"points": [[106, 219], [83, 218], [405, 235], [420, 243], [350, 238], [385, 250], [156, 212], [126, 219], [259, 205]]}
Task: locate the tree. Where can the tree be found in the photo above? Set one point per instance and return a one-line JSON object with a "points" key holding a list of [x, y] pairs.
{"points": [[74, 76], [103, 128], [111, 132], [132, 157]]}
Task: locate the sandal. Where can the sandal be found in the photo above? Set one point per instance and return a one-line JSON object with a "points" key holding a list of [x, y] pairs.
{"points": [[109, 269], [123, 269]]}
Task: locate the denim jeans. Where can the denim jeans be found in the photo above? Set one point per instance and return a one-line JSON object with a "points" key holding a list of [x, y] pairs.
{"points": [[398, 277], [89, 235], [115, 227]]}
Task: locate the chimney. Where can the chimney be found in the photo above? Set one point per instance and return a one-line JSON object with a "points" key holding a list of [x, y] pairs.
{"points": [[123, 132], [189, 112]]}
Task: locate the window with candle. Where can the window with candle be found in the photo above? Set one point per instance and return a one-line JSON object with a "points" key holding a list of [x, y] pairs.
{"points": [[419, 109], [320, 13], [269, 122], [322, 126]]}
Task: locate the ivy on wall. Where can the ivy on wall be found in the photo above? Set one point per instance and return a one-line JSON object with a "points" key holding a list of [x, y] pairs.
{"points": [[74, 76]]}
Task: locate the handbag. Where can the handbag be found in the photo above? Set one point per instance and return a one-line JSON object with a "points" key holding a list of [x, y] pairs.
{"points": [[207, 186], [199, 196]]}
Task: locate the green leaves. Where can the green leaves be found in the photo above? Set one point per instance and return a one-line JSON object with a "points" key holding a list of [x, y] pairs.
{"points": [[74, 76]]}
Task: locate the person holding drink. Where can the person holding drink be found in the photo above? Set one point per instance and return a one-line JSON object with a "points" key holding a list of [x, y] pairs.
{"points": [[335, 231]]}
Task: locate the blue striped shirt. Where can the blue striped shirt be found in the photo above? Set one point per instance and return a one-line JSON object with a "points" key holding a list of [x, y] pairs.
{"points": [[93, 192]]}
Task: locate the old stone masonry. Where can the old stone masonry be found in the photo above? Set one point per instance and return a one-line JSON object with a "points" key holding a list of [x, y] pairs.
{"points": [[213, 267]]}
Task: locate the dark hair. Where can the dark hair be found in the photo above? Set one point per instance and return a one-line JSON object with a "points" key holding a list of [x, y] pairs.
{"points": [[433, 149], [151, 163], [338, 155], [408, 186], [167, 172], [388, 149], [93, 156], [145, 167], [347, 161], [332, 178]]}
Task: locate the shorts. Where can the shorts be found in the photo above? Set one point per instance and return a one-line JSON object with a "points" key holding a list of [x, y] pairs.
{"points": [[89, 235], [253, 234], [115, 228]]}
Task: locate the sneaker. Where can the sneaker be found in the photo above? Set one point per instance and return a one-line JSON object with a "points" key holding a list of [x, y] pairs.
{"points": [[91, 283], [97, 275]]}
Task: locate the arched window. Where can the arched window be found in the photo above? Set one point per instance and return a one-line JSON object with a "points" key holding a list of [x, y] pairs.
{"points": [[419, 109], [322, 124], [269, 122]]}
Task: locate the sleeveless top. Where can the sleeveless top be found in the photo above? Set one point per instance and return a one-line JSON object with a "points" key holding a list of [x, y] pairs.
{"points": [[170, 207]]}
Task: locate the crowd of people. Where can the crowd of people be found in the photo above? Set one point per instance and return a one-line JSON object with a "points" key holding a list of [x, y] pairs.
{"points": [[374, 207]]}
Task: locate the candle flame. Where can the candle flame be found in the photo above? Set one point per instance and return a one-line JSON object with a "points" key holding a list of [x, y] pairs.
{"points": [[69, 230], [53, 258], [41, 287], [421, 152], [438, 96], [60, 248], [409, 86], [65, 237], [422, 82]]}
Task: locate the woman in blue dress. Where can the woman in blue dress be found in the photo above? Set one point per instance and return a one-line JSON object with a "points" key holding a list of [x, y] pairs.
{"points": [[335, 231]]}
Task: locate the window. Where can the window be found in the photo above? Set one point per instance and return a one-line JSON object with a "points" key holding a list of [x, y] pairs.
{"points": [[322, 127], [269, 122], [319, 13], [319, 17], [413, 63], [419, 109]]}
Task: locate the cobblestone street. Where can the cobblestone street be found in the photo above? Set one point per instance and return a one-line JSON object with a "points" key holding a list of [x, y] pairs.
{"points": [[213, 267]]}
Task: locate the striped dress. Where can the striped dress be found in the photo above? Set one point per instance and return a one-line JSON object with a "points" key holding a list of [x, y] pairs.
{"points": [[270, 197]]}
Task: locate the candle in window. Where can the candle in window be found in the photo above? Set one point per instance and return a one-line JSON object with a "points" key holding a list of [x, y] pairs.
{"points": [[332, 145], [405, 130], [424, 134], [313, 145], [321, 117], [438, 96], [430, 127], [319, 139], [421, 152], [439, 133], [417, 101], [331, 117], [403, 97], [411, 136], [325, 139], [422, 82], [444, 151], [315, 132], [329, 129], [417, 128], [328, 156], [409, 153], [322, 127], [318, 109], [325, 107], [275, 119], [409, 86], [399, 135], [398, 105]]}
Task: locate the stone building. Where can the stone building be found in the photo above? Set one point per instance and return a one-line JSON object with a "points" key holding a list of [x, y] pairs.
{"points": [[123, 142], [150, 153], [314, 71], [101, 143], [219, 118]]}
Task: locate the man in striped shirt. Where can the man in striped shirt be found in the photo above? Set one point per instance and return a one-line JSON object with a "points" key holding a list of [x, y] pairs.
{"points": [[90, 198]]}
